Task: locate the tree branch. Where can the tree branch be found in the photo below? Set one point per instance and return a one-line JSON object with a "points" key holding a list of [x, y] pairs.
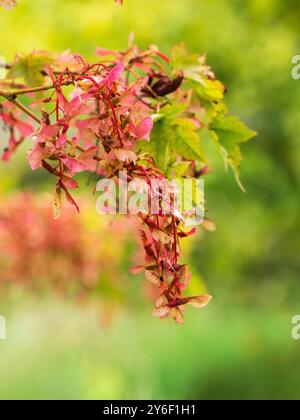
{"points": [[11, 97]]}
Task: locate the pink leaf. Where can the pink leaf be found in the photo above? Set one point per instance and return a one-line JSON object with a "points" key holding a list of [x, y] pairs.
{"points": [[144, 129], [35, 157], [74, 165], [114, 74], [64, 104], [70, 199], [48, 132], [61, 141], [69, 182], [24, 128], [12, 146], [130, 96], [88, 154]]}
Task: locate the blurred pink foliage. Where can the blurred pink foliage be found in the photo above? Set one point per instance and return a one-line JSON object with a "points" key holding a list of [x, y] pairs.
{"points": [[65, 255]]}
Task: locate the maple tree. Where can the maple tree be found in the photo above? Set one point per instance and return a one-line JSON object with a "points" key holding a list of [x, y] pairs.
{"points": [[142, 112]]}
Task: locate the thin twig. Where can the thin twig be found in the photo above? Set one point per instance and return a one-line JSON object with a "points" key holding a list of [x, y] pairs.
{"points": [[12, 98]]}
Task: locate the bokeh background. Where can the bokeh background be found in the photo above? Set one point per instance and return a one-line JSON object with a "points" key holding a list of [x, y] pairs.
{"points": [[102, 343]]}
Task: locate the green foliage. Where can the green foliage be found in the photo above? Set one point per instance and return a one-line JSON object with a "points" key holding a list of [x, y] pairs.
{"points": [[198, 74], [175, 132], [229, 133], [174, 135], [29, 67]]}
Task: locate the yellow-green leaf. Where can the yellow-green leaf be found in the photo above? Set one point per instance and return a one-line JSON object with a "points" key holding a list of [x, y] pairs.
{"points": [[29, 68], [229, 133]]}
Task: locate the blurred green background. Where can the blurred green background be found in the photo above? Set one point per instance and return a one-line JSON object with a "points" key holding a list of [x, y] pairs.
{"points": [[240, 347]]}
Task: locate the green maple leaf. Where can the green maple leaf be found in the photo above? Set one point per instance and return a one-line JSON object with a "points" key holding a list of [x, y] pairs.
{"points": [[208, 90], [159, 145], [173, 136], [182, 60], [178, 169], [229, 133], [29, 68], [186, 140], [198, 75]]}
